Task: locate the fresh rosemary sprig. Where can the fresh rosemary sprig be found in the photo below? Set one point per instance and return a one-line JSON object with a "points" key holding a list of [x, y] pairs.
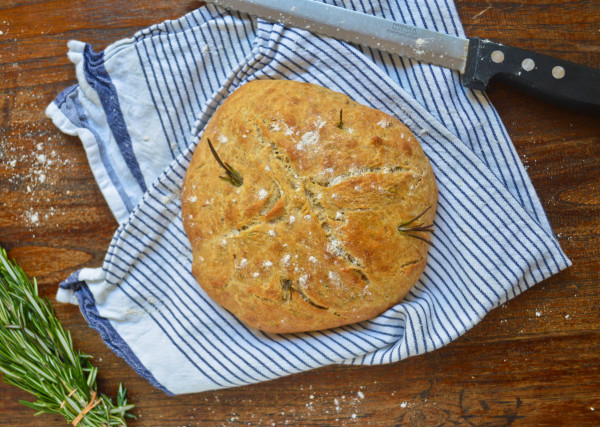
{"points": [[407, 229], [341, 123], [37, 355], [233, 177]]}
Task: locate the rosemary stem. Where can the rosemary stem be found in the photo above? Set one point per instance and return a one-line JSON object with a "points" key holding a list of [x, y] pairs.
{"points": [[37, 355]]}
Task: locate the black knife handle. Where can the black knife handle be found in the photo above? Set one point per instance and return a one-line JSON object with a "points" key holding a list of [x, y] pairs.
{"points": [[559, 81]]}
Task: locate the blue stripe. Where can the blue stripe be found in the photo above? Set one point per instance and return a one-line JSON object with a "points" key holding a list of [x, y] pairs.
{"points": [[480, 236], [424, 81], [194, 107], [70, 106], [168, 127], [229, 34], [158, 110], [177, 80], [199, 64], [447, 303], [431, 301], [97, 77], [177, 343], [66, 93], [246, 20], [171, 109], [452, 13], [110, 336], [507, 205], [201, 350], [515, 161], [220, 70]]}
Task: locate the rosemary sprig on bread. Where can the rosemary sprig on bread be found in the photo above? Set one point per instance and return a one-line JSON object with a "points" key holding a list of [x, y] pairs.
{"points": [[37, 355], [232, 176], [409, 228]]}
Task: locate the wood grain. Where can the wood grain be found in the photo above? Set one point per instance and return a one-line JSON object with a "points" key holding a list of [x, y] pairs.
{"points": [[534, 361]]}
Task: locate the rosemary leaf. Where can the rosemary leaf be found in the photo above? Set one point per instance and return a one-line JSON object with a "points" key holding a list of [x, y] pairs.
{"points": [[231, 175], [37, 355], [408, 230]]}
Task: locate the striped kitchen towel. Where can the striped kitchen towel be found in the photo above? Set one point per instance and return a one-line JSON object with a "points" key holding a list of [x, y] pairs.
{"points": [[140, 107]]}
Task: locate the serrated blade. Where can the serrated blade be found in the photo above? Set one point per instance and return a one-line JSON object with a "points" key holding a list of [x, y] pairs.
{"points": [[355, 27]]}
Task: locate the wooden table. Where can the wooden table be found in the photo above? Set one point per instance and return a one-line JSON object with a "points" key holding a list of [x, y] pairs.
{"points": [[535, 360]]}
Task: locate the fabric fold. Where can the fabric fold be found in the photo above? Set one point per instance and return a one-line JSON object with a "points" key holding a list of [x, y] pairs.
{"points": [[491, 242]]}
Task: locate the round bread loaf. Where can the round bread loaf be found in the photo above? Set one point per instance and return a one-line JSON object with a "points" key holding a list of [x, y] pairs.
{"points": [[322, 230]]}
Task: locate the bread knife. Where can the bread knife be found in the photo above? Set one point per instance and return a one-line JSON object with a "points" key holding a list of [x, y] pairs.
{"points": [[477, 60]]}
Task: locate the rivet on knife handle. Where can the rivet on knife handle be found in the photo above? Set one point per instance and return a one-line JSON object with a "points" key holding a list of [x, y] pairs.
{"points": [[558, 80]]}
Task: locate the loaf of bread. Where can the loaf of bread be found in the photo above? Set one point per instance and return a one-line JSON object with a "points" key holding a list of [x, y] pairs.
{"points": [[312, 212]]}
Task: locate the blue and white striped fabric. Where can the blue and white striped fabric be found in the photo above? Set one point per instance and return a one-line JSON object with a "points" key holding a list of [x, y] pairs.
{"points": [[140, 107]]}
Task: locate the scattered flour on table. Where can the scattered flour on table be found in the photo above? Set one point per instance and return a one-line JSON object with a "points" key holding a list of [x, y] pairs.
{"points": [[33, 171]]}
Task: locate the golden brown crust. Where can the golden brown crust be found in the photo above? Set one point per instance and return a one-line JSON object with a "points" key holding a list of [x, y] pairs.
{"points": [[310, 240]]}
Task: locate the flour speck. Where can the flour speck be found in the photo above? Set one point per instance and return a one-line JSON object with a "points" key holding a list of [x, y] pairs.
{"points": [[262, 194], [32, 217], [383, 123], [310, 138]]}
